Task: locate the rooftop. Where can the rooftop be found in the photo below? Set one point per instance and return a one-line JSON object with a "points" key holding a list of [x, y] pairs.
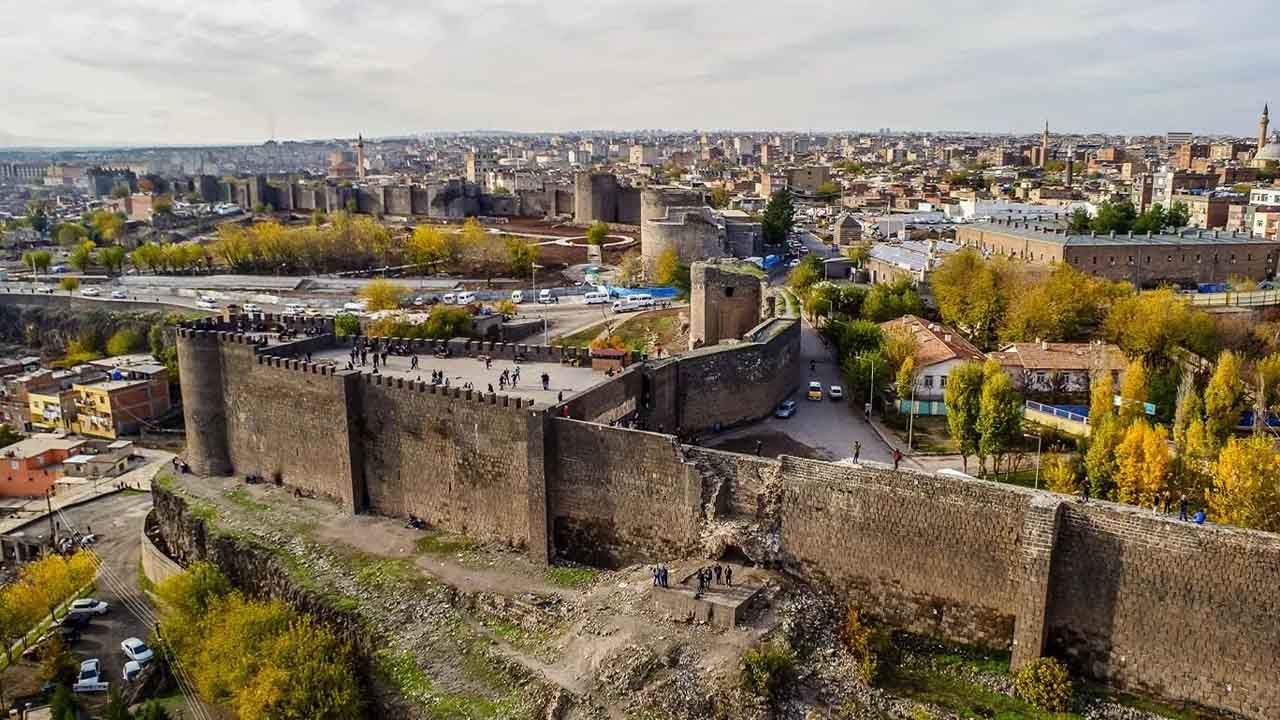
{"points": [[41, 443], [1055, 233], [1061, 356], [935, 342]]}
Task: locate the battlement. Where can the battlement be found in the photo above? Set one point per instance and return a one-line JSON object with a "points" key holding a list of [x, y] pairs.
{"points": [[507, 402]]}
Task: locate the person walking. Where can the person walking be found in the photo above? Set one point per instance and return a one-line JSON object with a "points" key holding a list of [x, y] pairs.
{"points": [[728, 575], [1182, 508], [857, 450], [897, 458], [718, 571], [759, 447]]}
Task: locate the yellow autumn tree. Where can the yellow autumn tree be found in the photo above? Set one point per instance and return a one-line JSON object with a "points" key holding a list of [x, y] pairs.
{"points": [[1133, 392], [1246, 484], [1060, 473], [383, 295], [1101, 390], [1142, 463]]}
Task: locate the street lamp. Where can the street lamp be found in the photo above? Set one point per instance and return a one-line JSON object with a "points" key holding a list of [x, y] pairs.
{"points": [[1038, 441]]}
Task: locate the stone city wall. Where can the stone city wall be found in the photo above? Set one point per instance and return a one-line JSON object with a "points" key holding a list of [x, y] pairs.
{"points": [[731, 384], [1183, 611]]}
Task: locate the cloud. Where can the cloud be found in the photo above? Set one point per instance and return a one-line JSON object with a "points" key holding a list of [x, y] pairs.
{"points": [[173, 71]]}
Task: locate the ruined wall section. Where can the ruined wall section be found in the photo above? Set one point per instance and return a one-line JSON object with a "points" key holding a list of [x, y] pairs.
{"points": [[733, 384], [621, 496]]}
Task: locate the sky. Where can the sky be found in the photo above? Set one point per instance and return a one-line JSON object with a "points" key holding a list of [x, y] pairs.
{"points": [[220, 71]]}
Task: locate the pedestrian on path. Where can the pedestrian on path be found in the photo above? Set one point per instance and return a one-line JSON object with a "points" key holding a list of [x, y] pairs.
{"points": [[897, 458], [857, 450]]}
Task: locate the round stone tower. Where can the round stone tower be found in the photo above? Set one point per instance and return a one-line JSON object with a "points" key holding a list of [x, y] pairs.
{"points": [[595, 197], [673, 218], [203, 404]]}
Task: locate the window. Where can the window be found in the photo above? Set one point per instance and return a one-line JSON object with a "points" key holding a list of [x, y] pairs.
{"points": [[1113, 260], [1197, 257], [928, 381], [728, 292], [1233, 258], [942, 381], [1095, 259], [1148, 259], [1130, 259]]}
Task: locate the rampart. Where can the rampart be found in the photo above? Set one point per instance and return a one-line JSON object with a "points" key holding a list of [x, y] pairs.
{"points": [[1141, 601]]}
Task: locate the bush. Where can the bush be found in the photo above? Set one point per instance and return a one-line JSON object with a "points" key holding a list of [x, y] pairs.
{"points": [[1044, 683], [124, 341], [346, 325], [871, 648], [70, 284], [767, 669]]}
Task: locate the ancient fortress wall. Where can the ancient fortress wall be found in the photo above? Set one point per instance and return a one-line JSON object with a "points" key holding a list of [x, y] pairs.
{"points": [[1184, 611]]}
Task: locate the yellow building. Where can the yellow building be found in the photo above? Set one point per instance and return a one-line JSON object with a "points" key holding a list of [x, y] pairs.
{"points": [[51, 411], [120, 407]]}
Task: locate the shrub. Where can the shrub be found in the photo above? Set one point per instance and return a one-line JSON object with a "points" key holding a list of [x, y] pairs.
{"points": [[346, 324], [871, 648], [608, 342], [508, 308], [1044, 683], [70, 284], [767, 669], [126, 340]]}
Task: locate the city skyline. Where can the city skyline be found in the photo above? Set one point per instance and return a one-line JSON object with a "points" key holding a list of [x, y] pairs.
{"points": [[141, 72]]}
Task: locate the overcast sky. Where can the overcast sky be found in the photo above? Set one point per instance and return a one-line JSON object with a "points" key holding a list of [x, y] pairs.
{"points": [[174, 71]]}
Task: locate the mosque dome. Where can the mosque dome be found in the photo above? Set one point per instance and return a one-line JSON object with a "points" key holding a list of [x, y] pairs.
{"points": [[1269, 152]]}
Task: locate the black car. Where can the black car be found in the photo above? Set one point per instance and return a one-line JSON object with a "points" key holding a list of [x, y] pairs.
{"points": [[74, 620]]}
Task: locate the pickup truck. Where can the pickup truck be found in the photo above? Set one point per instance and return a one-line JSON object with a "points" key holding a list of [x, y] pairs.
{"points": [[90, 678]]}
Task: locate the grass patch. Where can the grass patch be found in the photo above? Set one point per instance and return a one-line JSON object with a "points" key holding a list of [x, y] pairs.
{"points": [[400, 670], [571, 576], [204, 510], [164, 480], [962, 698], [240, 498], [582, 338], [645, 331], [378, 573], [436, 542]]}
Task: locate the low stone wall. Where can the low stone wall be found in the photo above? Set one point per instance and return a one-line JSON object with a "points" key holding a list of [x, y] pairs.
{"points": [[157, 566]]}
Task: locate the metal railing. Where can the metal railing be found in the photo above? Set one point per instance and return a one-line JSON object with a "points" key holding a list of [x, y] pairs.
{"points": [[1251, 298], [1057, 412]]}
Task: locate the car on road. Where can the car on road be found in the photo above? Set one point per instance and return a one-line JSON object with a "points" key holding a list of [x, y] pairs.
{"points": [[794, 263], [815, 391], [251, 308], [119, 295], [786, 409], [88, 606], [836, 393], [47, 290], [596, 297], [90, 678], [419, 301], [517, 296], [546, 298], [295, 309], [91, 292], [136, 650], [449, 299], [206, 304]]}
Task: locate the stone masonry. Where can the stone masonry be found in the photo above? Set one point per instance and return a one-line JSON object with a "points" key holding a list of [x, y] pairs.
{"points": [[1137, 600]]}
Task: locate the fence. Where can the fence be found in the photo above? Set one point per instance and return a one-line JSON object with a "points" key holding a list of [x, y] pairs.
{"points": [[1252, 298]]}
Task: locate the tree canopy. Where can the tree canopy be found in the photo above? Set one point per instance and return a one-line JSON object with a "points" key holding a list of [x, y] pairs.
{"points": [[779, 218]]}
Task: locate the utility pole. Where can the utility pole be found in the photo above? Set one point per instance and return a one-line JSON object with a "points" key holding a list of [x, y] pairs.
{"points": [[53, 524]]}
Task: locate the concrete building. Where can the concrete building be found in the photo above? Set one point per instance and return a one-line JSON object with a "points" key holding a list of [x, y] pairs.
{"points": [[53, 410], [801, 180], [939, 349], [888, 263], [1185, 256], [1206, 211], [33, 465], [643, 155], [725, 303], [846, 230], [479, 163]]}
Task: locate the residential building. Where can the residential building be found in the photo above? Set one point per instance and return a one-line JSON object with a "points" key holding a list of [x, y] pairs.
{"points": [[1059, 368], [1206, 211], [911, 259], [643, 155], [1264, 196], [136, 392], [15, 402], [939, 349], [52, 410], [1266, 221], [846, 230], [33, 465]]}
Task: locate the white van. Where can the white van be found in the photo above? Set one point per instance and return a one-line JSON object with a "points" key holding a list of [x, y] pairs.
{"points": [[632, 303], [449, 299], [354, 307], [517, 296], [295, 309], [466, 298], [596, 297], [546, 298]]}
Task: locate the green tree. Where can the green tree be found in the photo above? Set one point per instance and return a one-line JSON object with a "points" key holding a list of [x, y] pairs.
{"points": [[116, 708], [82, 256], [779, 218], [1100, 460], [805, 275], [999, 414], [1079, 222], [1151, 325], [63, 705], [38, 216], [597, 233], [70, 284], [1179, 216], [905, 379], [1223, 398], [155, 339], [112, 258], [151, 710], [446, 322], [37, 260], [346, 324], [124, 341], [970, 295], [886, 302], [828, 190], [1117, 217], [521, 256], [963, 396], [70, 234]]}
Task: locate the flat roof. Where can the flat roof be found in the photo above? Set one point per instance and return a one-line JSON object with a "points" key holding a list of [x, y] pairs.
{"points": [[1055, 234], [40, 444]]}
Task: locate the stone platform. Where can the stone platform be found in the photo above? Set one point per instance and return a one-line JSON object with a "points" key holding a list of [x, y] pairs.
{"points": [[721, 605]]}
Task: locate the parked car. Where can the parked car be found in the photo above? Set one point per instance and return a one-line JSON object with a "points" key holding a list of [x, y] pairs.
{"points": [[132, 669], [206, 304], [449, 299], [90, 678], [136, 650], [546, 298], [517, 296], [119, 295], [794, 263], [596, 297], [466, 297], [77, 621], [88, 606], [295, 309], [91, 292], [815, 391], [419, 301], [251, 308], [836, 393], [786, 409]]}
